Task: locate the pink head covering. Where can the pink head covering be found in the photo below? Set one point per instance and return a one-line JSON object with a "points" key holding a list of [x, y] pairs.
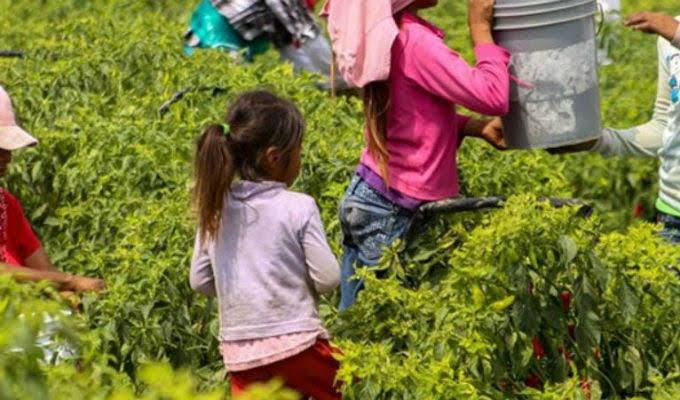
{"points": [[362, 32]]}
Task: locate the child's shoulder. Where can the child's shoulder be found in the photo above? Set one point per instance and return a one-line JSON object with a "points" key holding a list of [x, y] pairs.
{"points": [[416, 34], [301, 201], [299, 209]]}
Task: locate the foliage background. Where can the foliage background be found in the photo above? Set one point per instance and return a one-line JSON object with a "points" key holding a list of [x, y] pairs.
{"points": [[107, 190]]}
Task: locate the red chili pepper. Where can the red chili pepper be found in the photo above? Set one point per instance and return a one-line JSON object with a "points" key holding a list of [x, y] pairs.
{"points": [[533, 381], [597, 353], [539, 351], [530, 288], [638, 210], [505, 385], [565, 297], [565, 354], [585, 387], [572, 331]]}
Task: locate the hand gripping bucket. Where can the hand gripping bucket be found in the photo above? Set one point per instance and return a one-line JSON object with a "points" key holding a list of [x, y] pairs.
{"points": [[555, 99]]}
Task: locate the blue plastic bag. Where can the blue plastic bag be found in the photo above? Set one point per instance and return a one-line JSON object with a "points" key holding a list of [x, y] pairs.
{"points": [[211, 30]]}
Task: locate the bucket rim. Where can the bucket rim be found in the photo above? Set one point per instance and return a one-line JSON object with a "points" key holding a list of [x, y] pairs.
{"points": [[501, 27], [559, 6], [530, 3]]}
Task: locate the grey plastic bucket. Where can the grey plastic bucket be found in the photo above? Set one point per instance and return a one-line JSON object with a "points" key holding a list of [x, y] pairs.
{"points": [[555, 99]]}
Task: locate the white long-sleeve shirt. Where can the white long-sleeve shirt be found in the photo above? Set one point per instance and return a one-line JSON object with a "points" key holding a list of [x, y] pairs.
{"points": [[268, 263], [660, 137]]}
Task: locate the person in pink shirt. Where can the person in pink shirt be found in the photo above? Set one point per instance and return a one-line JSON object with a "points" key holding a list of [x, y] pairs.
{"points": [[412, 85]]}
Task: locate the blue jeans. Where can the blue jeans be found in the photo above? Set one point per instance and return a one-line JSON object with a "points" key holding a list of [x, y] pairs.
{"points": [[671, 228], [369, 224]]}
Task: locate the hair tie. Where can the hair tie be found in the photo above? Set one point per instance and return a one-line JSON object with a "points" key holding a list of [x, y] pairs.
{"points": [[226, 129]]}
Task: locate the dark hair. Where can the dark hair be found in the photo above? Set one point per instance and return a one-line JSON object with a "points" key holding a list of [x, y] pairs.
{"points": [[376, 107], [256, 121]]}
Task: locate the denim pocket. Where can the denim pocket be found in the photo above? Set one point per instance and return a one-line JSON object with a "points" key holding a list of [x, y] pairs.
{"points": [[370, 222]]}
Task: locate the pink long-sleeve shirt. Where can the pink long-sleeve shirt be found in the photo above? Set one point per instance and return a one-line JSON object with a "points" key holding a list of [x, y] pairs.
{"points": [[427, 82]]}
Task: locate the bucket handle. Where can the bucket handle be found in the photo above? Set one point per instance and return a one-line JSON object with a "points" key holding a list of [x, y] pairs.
{"points": [[521, 83], [603, 17], [518, 81]]}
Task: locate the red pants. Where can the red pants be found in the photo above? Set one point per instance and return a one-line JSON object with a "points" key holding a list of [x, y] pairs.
{"points": [[310, 373]]}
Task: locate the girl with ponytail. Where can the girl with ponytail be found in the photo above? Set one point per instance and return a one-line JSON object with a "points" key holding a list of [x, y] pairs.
{"points": [[261, 249], [412, 84]]}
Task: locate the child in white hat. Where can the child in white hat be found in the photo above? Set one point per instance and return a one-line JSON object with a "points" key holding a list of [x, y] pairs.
{"points": [[12, 137], [21, 253]]}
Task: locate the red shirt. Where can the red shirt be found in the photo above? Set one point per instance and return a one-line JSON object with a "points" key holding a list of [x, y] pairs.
{"points": [[19, 241]]}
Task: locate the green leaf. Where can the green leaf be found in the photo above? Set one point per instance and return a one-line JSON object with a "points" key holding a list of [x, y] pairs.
{"points": [[569, 248], [588, 333], [634, 359]]}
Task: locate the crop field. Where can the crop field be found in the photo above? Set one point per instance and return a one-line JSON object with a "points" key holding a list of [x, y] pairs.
{"points": [[526, 301]]}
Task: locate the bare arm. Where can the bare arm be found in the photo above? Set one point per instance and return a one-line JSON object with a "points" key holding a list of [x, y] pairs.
{"points": [[40, 261], [39, 268], [480, 21], [24, 274], [660, 24]]}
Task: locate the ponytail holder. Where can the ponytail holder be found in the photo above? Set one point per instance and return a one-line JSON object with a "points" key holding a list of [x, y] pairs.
{"points": [[226, 129]]}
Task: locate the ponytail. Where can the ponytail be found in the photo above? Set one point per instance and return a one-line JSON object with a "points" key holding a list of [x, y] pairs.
{"points": [[214, 173], [257, 121], [376, 106]]}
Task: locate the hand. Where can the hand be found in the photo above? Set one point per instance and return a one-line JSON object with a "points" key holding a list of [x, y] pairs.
{"points": [[83, 284], [492, 132], [480, 19], [489, 130], [651, 22]]}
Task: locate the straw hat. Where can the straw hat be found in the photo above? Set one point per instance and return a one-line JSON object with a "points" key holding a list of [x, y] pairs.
{"points": [[12, 137]]}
